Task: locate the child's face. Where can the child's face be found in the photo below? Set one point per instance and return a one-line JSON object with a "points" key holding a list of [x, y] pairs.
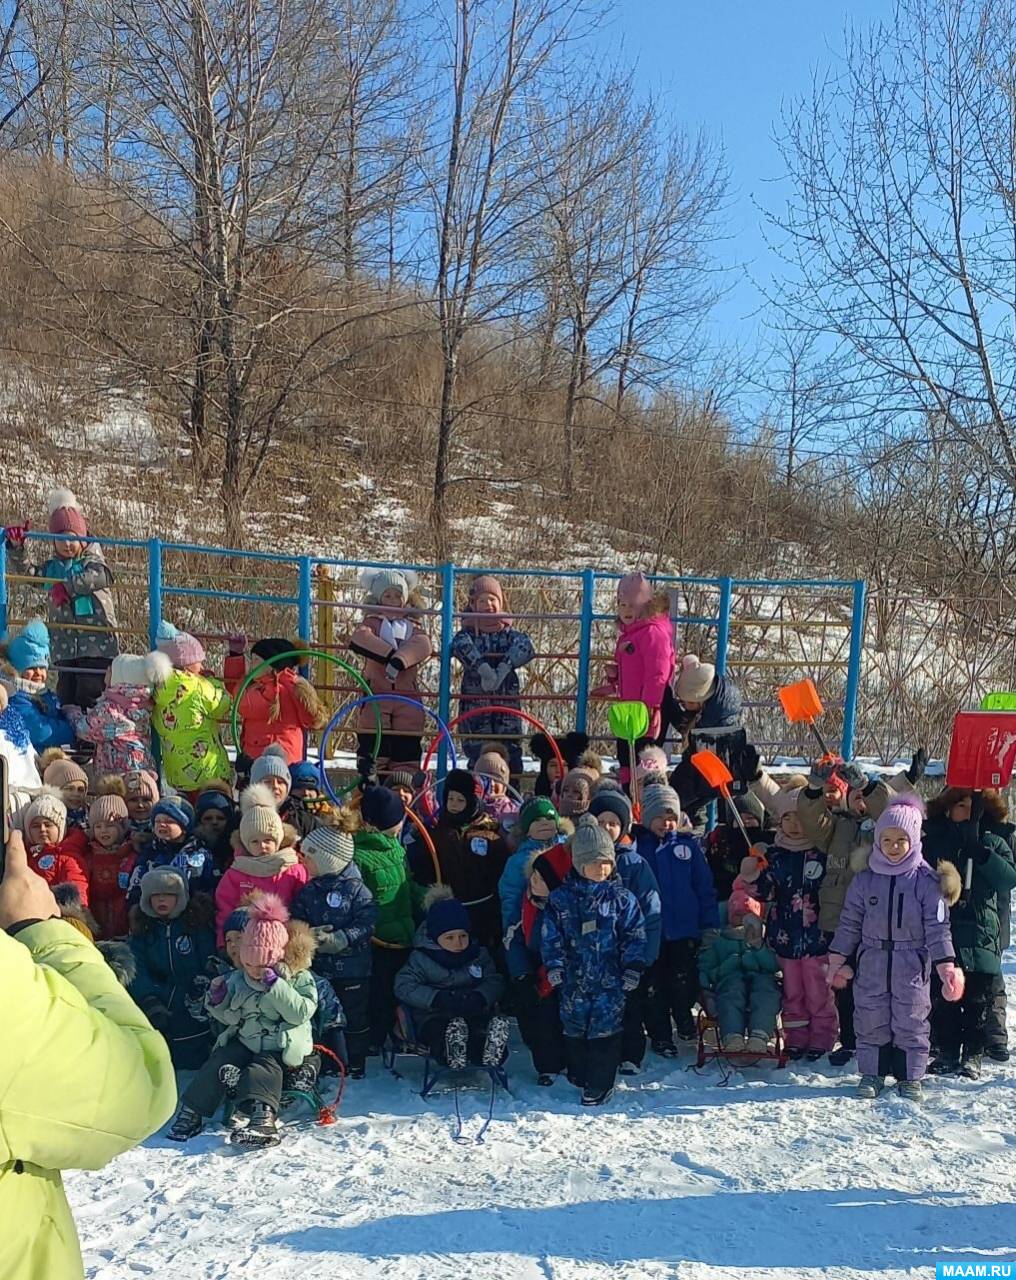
{"points": [[166, 829], [538, 886], [832, 795], [856, 802], [610, 823], [253, 971], [212, 823], [751, 823], [305, 793], [74, 794], [35, 675], [392, 598], [262, 846], [627, 613], [598, 871], [575, 795], [494, 787], [542, 829], [486, 602], [43, 831], [396, 830], [790, 825], [553, 771], [455, 802], [960, 812], [278, 787], [108, 834], [666, 825], [233, 947], [140, 808], [67, 548], [894, 843], [404, 794], [163, 904], [455, 940]]}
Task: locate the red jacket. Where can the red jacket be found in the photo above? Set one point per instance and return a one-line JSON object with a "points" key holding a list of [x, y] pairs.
{"points": [[107, 896], [279, 706], [559, 857], [61, 863]]}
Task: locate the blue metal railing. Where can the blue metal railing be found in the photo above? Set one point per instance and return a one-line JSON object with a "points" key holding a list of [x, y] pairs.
{"points": [[153, 553]]}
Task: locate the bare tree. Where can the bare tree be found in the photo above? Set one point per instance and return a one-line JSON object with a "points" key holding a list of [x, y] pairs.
{"points": [[22, 74]]}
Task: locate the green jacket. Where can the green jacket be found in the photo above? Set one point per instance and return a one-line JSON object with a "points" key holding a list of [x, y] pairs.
{"points": [[729, 954], [975, 923], [272, 1021], [382, 863], [189, 713], [83, 1078]]}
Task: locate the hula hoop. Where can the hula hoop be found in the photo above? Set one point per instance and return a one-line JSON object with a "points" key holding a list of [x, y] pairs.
{"points": [[269, 663], [483, 711]]}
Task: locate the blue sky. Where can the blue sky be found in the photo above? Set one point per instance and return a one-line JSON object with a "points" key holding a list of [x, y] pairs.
{"points": [[729, 65]]}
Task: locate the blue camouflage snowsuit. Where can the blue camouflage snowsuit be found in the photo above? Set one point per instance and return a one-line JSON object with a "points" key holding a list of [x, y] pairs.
{"points": [[473, 648]]}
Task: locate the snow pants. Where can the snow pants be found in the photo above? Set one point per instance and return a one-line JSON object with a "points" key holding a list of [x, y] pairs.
{"points": [[844, 998], [633, 1036], [809, 1011], [996, 1034], [747, 1003], [961, 1027], [540, 1026], [892, 1000], [81, 682], [593, 1064], [385, 964], [674, 987], [260, 1078], [354, 996]]}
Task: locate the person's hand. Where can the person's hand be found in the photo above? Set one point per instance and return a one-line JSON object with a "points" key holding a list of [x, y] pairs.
{"points": [[630, 979], [555, 977], [750, 764], [236, 644], [954, 981], [821, 771], [852, 776], [59, 595], [504, 670], [23, 894], [156, 1013], [918, 765], [269, 978], [750, 869], [217, 990], [394, 668], [833, 967], [488, 677], [330, 941], [71, 711], [448, 1001], [15, 535]]}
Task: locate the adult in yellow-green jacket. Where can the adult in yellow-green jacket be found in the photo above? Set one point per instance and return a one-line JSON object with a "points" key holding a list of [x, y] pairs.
{"points": [[83, 1076]]}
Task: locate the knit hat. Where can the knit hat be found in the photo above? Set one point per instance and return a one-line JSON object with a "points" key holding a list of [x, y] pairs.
{"points": [[615, 802], [486, 585], [165, 635], [492, 764], [265, 936], [401, 778], [658, 801], [591, 843], [65, 514], [444, 913], [260, 817], [694, 679], [533, 810], [304, 776], [272, 763], [331, 849], [553, 865], [48, 804], [271, 649], [378, 581], [652, 760], [209, 801], [750, 806], [164, 880], [382, 808], [236, 921], [634, 589], [906, 813], [140, 671], [142, 783], [178, 810], [30, 647], [461, 782], [107, 809], [63, 772], [184, 650]]}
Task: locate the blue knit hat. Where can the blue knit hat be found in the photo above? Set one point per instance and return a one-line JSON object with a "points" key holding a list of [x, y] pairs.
{"points": [[30, 648], [209, 800], [165, 635], [236, 921], [382, 808], [178, 810], [444, 915], [304, 776]]}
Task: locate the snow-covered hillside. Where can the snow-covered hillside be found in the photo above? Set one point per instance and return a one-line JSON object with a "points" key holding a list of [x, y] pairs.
{"points": [[777, 1174]]}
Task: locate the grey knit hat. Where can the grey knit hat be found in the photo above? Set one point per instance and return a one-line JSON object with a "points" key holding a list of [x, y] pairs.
{"points": [[591, 843], [331, 849], [658, 801], [272, 763], [164, 880]]}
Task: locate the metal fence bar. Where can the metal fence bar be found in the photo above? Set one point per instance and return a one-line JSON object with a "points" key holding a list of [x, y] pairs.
{"points": [[585, 645], [447, 635], [3, 586], [854, 669], [723, 625], [154, 589]]}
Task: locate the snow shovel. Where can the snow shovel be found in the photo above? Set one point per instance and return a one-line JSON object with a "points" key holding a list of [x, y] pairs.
{"points": [[629, 721], [982, 754], [802, 705], [716, 773]]}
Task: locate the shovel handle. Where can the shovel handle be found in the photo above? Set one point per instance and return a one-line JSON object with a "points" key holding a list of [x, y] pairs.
{"points": [[969, 877], [725, 792], [818, 737]]}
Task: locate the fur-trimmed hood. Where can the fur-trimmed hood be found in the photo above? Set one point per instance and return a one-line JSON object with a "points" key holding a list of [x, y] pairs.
{"points": [[300, 948], [199, 913], [949, 880], [120, 959]]}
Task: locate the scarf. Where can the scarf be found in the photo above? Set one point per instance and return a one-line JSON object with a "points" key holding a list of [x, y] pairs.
{"points": [[486, 623], [453, 960], [32, 687], [267, 866], [878, 862], [64, 570], [394, 631]]}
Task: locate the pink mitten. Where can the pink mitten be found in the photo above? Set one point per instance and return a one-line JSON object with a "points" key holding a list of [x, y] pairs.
{"points": [[750, 868], [834, 965], [58, 594], [842, 979], [954, 982]]}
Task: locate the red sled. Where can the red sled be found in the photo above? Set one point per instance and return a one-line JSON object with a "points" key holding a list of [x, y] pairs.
{"points": [[983, 750]]}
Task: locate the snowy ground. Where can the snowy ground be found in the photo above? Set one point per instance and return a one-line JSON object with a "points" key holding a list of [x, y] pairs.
{"points": [[778, 1174]]}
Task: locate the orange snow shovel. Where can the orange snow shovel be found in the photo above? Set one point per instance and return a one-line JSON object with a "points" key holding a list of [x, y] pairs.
{"points": [[716, 773], [802, 705]]}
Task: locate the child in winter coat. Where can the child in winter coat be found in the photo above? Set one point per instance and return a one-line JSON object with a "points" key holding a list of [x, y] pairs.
{"points": [[60, 771], [142, 797], [305, 807], [104, 860], [726, 848], [492, 652], [738, 971], [381, 858], [174, 844], [493, 771], [578, 784], [534, 1000], [215, 821], [394, 646], [472, 855], [190, 711], [688, 910], [790, 878], [538, 827], [896, 917], [53, 852], [264, 1011], [279, 706], [985, 862], [81, 616], [571, 745], [27, 656], [172, 940], [613, 812], [594, 950], [451, 986], [265, 860], [17, 751], [341, 912], [119, 724]]}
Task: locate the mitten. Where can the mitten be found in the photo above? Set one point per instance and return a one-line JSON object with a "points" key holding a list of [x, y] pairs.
{"points": [[473, 1003], [750, 765], [394, 668], [918, 765], [488, 677], [852, 776], [833, 967], [217, 991], [953, 981], [237, 643], [821, 771], [157, 1014], [750, 868], [59, 595], [630, 979], [15, 534], [330, 941], [843, 978], [504, 670], [269, 978], [555, 977]]}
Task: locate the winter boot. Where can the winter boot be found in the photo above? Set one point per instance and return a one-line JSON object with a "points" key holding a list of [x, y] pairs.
{"points": [[758, 1042], [357, 1073], [870, 1086], [188, 1124], [997, 1053], [456, 1037], [495, 1047], [795, 1053], [946, 1064], [665, 1048], [910, 1090], [686, 1029], [263, 1130], [596, 1099], [971, 1068], [840, 1057], [814, 1055], [302, 1079], [734, 1043], [630, 1069]]}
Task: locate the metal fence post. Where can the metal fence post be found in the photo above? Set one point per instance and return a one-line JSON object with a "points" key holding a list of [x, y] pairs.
{"points": [[854, 668], [445, 678], [723, 625], [3, 584], [585, 647], [154, 589]]}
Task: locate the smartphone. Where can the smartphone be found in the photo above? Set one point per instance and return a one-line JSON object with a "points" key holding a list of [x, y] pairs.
{"points": [[5, 808]]}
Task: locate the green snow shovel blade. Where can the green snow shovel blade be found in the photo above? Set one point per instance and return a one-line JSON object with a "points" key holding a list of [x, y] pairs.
{"points": [[628, 720], [998, 702]]}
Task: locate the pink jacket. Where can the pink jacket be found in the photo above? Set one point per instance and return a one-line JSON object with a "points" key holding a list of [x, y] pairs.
{"points": [[368, 641], [120, 725], [238, 881], [645, 663]]}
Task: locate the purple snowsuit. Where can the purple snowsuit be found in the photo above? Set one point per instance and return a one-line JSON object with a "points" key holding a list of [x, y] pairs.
{"points": [[898, 922]]}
